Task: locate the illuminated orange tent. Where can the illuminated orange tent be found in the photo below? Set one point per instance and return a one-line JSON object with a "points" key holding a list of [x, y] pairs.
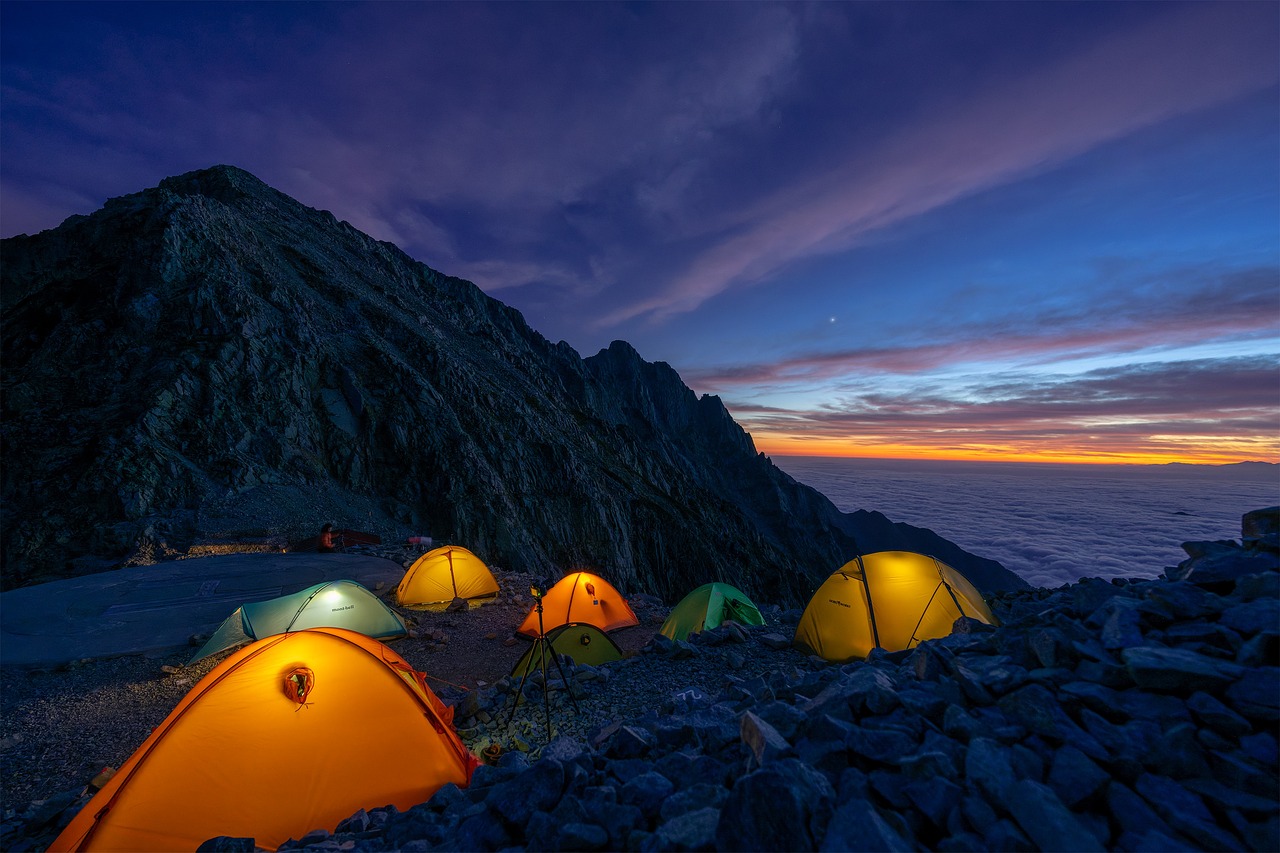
{"points": [[890, 599], [581, 597], [293, 733], [443, 575]]}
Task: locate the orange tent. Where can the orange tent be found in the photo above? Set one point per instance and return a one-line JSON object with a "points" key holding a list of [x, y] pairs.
{"points": [[443, 575], [581, 597], [293, 733]]}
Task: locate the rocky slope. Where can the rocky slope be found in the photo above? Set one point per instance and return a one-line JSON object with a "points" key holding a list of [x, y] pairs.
{"points": [[211, 361]]}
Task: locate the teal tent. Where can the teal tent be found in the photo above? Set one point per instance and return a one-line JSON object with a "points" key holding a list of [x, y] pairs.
{"points": [[333, 604], [707, 607]]}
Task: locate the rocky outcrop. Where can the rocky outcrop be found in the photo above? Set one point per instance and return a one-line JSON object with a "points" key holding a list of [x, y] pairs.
{"points": [[210, 360], [1122, 715]]}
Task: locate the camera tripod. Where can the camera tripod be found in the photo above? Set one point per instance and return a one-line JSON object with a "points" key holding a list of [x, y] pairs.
{"points": [[542, 650]]}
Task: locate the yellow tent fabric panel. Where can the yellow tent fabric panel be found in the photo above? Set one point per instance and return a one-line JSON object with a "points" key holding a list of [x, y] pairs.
{"points": [[581, 597], [240, 756], [443, 575], [890, 599]]}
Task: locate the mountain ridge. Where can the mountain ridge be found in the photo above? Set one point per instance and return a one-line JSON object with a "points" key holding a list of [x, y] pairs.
{"points": [[210, 357]]}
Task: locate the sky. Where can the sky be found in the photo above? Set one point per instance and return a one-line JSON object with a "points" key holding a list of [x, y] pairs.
{"points": [[1011, 231]]}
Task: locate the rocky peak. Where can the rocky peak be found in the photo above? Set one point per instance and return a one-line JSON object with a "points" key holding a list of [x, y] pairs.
{"points": [[209, 359]]}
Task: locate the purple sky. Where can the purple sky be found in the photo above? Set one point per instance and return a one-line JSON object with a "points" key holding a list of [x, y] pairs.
{"points": [[1007, 230]]}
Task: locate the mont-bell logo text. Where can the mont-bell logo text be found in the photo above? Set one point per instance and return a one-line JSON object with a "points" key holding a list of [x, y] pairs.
{"points": [[840, 603], [348, 607]]}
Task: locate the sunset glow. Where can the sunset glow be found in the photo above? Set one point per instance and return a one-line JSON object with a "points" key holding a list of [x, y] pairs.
{"points": [[1262, 449]]}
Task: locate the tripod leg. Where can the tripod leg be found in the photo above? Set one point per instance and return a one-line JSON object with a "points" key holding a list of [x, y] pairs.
{"points": [[543, 651], [567, 685], [520, 691]]}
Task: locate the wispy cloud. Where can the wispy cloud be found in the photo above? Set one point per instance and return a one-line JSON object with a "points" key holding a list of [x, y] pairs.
{"points": [[1144, 408], [1196, 57], [1164, 310]]}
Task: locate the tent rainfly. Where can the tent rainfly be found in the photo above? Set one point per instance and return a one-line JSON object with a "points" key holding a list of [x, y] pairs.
{"points": [[333, 604], [580, 597], [891, 600], [581, 643], [444, 574], [707, 607], [269, 745]]}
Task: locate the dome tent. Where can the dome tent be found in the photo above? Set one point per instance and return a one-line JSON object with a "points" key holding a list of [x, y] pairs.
{"points": [[334, 604], [268, 745], [580, 597], [440, 576], [707, 607], [581, 643], [890, 600]]}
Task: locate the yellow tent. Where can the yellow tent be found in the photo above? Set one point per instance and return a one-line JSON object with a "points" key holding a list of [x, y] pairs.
{"points": [[292, 733], [443, 575], [891, 600], [581, 597]]}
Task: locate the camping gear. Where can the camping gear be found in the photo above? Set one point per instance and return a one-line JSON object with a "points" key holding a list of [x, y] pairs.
{"points": [[581, 597], [891, 600], [336, 604], [708, 606], [540, 652], [440, 576], [293, 733], [580, 642], [344, 538]]}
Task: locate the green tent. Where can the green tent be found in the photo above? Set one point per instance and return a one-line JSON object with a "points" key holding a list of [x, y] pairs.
{"points": [[333, 604], [582, 642], [706, 607]]}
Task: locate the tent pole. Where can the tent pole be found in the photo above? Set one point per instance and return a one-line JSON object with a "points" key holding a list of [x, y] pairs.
{"points": [[950, 592], [871, 610], [923, 613], [453, 580]]}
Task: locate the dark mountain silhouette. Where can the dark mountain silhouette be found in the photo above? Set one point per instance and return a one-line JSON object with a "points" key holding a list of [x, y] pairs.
{"points": [[211, 359]]}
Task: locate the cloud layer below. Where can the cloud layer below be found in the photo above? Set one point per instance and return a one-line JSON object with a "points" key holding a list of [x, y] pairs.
{"points": [[1050, 524]]}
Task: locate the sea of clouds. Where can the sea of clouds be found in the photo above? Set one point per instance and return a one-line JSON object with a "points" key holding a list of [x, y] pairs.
{"points": [[1052, 524]]}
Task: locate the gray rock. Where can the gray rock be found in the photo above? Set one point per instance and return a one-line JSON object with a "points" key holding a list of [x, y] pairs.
{"points": [[1074, 777], [693, 798], [762, 739], [882, 745], [1044, 818], [646, 792], [782, 806], [1173, 669], [630, 742], [1256, 694], [1185, 812], [775, 641], [856, 825], [691, 830], [1262, 614], [935, 798], [582, 836], [987, 769], [536, 790], [227, 844]]}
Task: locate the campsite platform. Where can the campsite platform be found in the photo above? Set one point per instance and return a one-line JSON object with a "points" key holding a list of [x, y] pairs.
{"points": [[155, 609]]}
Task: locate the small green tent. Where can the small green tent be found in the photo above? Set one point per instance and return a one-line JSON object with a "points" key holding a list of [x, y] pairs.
{"points": [[708, 606], [582, 642], [333, 604]]}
